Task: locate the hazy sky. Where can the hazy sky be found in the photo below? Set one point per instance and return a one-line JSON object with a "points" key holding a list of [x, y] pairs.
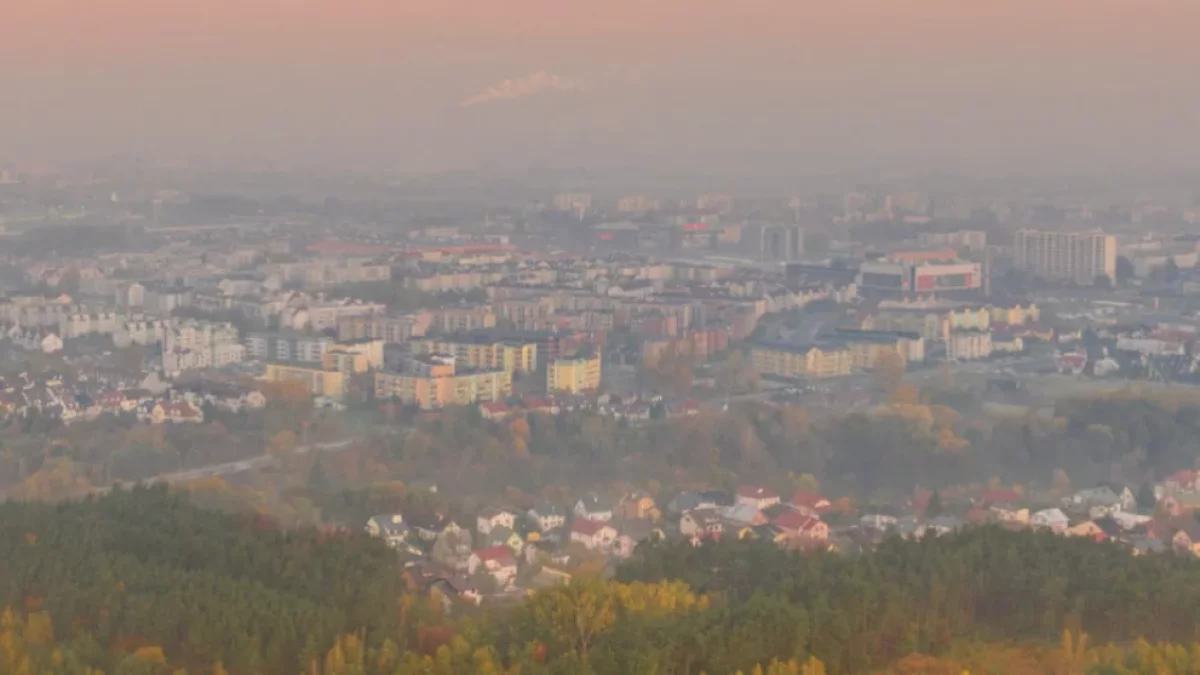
{"points": [[751, 84]]}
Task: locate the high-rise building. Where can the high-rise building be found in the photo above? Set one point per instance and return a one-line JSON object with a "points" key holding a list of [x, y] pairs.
{"points": [[1072, 256], [773, 241]]}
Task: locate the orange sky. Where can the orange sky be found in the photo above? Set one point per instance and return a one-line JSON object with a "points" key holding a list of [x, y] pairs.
{"points": [[378, 81]]}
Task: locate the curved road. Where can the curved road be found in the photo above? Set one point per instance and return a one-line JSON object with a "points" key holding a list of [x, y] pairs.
{"points": [[230, 468]]}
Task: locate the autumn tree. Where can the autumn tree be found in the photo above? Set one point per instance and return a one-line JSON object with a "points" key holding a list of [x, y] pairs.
{"points": [[889, 369]]}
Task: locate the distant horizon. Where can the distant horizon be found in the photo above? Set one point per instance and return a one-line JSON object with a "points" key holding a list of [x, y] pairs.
{"points": [[767, 87]]}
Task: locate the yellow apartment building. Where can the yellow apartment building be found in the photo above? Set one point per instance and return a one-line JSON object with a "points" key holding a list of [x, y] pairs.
{"points": [[318, 381], [1016, 315], [574, 375], [793, 362], [508, 356], [440, 385]]}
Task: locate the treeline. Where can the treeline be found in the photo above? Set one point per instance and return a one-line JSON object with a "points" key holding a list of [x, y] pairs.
{"points": [[142, 583], [984, 585], [145, 568], [932, 439]]}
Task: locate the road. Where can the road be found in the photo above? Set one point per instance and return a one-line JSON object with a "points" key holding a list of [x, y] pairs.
{"points": [[230, 468]]}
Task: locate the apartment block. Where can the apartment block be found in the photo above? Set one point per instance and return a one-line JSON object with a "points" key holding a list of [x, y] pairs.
{"points": [[431, 382], [867, 346], [287, 346], [795, 362], [968, 345], [456, 319], [482, 351], [358, 356], [1015, 315], [1068, 256], [574, 375], [315, 378], [190, 345], [390, 329]]}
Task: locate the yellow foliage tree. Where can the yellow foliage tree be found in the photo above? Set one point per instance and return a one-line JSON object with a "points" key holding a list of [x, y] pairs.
{"points": [[518, 433], [578, 613], [282, 443], [889, 369]]}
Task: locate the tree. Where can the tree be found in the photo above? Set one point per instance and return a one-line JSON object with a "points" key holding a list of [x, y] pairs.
{"points": [[282, 443], [804, 482], [1102, 281], [1146, 499], [1171, 270], [889, 370], [518, 434], [934, 508], [736, 375], [317, 480]]}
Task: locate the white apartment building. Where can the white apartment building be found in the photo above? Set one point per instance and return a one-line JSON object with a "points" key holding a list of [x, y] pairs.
{"points": [[968, 345], [80, 324], [287, 347], [319, 316], [1069, 256], [189, 344]]}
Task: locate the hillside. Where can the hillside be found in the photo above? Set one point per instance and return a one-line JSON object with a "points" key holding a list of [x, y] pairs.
{"points": [[143, 583]]}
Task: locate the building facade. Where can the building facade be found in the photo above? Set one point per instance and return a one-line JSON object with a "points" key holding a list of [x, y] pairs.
{"points": [[574, 375], [1068, 256], [435, 382]]}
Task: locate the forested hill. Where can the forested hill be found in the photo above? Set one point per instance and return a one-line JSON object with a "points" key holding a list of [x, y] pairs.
{"points": [[147, 568], [986, 584], [142, 583]]}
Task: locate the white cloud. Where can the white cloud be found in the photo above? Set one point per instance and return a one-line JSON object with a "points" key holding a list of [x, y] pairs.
{"points": [[529, 85]]}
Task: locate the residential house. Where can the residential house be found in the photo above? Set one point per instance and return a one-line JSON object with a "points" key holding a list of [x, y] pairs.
{"points": [[1109, 527], [1101, 501], [1182, 482], [701, 523], [687, 501], [494, 410], [797, 524], [490, 518], [503, 536], [742, 515], [1187, 539], [758, 496], [878, 522], [176, 412], [632, 533], [452, 548], [390, 528], [594, 507], [638, 505], [944, 525], [547, 516], [811, 501], [594, 535], [1001, 498], [430, 526], [1128, 521], [498, 561], [541, 406], [1011, 516], [1050, 519]]}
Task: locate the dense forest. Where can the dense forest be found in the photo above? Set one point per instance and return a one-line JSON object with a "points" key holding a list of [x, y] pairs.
{"points": [[143, 583]]}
